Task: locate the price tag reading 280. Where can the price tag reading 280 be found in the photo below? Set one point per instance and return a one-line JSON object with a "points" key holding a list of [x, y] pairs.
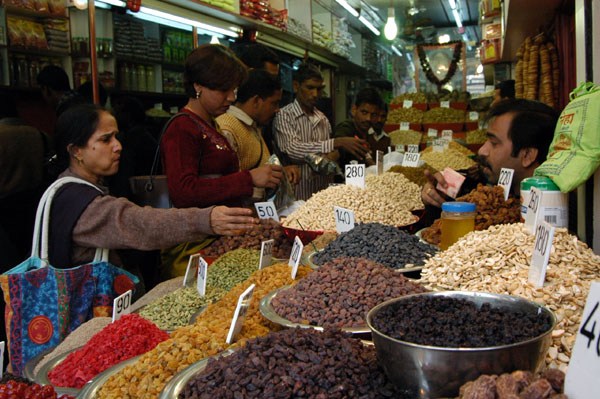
{"points": [[266, 210], [121, 306], [544, 236], [355, 175], [344, 219], [505, 180], [295, 256], [581, 381]]}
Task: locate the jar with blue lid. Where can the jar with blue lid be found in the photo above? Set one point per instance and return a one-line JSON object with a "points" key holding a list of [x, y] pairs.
{"points": [[458, 219]]}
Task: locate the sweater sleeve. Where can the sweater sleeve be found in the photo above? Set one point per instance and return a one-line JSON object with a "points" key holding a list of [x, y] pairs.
{"points": [[116, 223], [182, 156], [288, 136]]}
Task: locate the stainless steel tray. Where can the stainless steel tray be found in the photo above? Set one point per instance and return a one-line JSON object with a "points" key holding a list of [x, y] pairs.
{"points": [[176, 384], [314, 266], [90, 389], [28, 371], [268, 312], [420, 235], [42, 375]]}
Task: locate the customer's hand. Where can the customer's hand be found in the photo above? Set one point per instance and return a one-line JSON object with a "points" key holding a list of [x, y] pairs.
{"points": [[293, 173], [267, 176], [354, 146], [429, 194], [230, 221]]}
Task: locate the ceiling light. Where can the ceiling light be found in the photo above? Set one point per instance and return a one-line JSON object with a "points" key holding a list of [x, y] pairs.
{"points": [[395, 50], [163, 21], [391, 29], [452, 4], [369, 25], [209, 28], [445, 38], [80, 4], [116, 3], [348, 7], [457, 18]]}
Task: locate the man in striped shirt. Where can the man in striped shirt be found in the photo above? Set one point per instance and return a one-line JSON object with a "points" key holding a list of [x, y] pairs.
{"points": [[300, 129]]}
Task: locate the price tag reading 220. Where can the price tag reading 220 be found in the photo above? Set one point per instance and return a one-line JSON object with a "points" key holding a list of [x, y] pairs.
{"points": [[121, 306], [505, 180], [355, 175]]}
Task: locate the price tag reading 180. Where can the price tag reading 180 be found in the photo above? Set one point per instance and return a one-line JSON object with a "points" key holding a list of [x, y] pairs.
{"points": [[505, 180], [541, 253], [121, 306], [266, 253], [241, 309], [295, 256], [355, 175], [411, 159], [266, 210], [581, 381], [344, 219]]}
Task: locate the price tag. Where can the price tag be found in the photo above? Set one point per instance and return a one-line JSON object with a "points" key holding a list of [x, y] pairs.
{"points": [[400, 148], [121, 306], [404, 126], [295, 256], [584, 366], [201, 277], [344, 219], [534, 210], [414, 148], [432, 132], [407, 104], [191, 270], [355, 175], [379, 162], [266, 253], [445, 104], [473, 116], [266, 210], [389, 149], [158, 106], [174, 110], [241, 309], [439, 145], [544, 235], [2, 344], [447, 134], [505, 180], [411, 159]]}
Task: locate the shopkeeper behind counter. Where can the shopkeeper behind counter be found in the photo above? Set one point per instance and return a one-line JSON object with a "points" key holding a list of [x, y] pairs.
{"points": [[518, 137]]}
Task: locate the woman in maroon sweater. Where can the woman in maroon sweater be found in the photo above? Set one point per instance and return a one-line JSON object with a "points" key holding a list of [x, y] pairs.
{"points": [[201, 167]]}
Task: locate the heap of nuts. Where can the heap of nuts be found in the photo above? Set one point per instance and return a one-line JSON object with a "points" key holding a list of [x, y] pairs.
{"points": [[455, 146], [491, 210], [497, 260], [399, 115], [267, 229], [414, 97], [405, 137], [386, 199], [478, 136], [518, 384], [443, 115], [415, 175], [449, 158]]}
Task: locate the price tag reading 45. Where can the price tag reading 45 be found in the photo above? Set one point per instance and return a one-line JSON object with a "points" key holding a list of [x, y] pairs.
{"points": [[266, 210], [505, 180], [240, 314], [355, 175], [411, 159], [534, 210], [121, 306], [295, 256], [344, 219], [541, 253], [581, 381], [266, 253]]}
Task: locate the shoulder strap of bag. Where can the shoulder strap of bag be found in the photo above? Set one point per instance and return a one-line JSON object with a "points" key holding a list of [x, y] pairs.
{"points": [[42, 222]]}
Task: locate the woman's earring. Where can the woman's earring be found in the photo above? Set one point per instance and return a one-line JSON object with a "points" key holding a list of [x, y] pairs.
{"points": [[198, 93]]}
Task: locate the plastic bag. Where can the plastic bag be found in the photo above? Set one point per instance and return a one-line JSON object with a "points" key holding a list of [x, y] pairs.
{"points": [[574, 153], [322, 165], [283, 195]]}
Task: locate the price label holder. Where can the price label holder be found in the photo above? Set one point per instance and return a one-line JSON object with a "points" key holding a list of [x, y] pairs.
{"points": [[431, 132], [344, 219], [295, 256], [266, 253], [355, 175], [411, 159], [201, 276], [581, 381], [266, 210], [241, 309], [389, 149], [379, 162], [438, 145], [534, 210], [404, 126], [414, 148], [121, 306], [447, 134], [445, 104], [407, 104], [544, 235], [505, 180], [191, 270], [2, 345], [400, 148], [473, 116]]}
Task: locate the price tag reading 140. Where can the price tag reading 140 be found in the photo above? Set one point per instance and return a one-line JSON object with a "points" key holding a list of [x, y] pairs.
{"points": [[266, 210], [544, 236], [344, 219], [581, 381], [355, 175], [121, 306], [295, 256]]}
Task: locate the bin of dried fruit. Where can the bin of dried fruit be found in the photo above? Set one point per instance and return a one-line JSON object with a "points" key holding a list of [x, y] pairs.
{"points": [[232, 268], [449, 158], [399, 115], [455, 146], [478, 136], [405, 137]]}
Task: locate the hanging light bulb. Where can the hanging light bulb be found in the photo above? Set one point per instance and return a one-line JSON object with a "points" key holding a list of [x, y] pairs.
{"points": [[214, 40], [80, 4], [391, 29]]}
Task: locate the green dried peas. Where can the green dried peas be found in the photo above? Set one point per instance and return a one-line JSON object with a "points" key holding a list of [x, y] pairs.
{"points": [[232, 268]]}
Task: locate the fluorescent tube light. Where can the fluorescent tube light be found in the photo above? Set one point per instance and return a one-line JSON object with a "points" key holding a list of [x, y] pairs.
{"points": [[348, 7], [452, 4], [457, 18], [153, 18], [116, 3], [99, 4], [210, 28], [369, 25], [395, 50]]}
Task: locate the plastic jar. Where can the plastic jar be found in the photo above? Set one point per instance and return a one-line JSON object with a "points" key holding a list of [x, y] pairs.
{"points": [[555, 204], [458, 219], [150, 85]]}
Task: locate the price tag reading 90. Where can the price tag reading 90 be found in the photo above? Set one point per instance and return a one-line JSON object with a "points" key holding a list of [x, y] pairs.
{"points": [[355, 175], [121, 306]]}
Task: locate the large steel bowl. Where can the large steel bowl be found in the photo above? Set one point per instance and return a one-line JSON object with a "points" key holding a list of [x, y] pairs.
{"points": [[434, 372]]}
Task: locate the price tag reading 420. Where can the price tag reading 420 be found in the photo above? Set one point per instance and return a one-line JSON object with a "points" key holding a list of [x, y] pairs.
{"points": [[411, 159], [505, 180], [344, 219], [266, 253], [295, 256], [544, 236], [581, 381], [121, 306], [355, 175], [240, 314], [534, 210], [266, 210]]}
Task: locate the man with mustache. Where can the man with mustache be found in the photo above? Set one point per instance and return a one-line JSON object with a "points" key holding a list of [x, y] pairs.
{"points": [[519, 134]]}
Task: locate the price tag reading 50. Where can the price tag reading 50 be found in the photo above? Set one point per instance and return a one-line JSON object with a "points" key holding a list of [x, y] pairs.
{"points": [[355, 175], [266, 210], [121, 306], [344, 219]]}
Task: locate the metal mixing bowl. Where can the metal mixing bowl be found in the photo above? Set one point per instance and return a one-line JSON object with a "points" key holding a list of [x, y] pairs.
{"points": [[424, 371]]}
